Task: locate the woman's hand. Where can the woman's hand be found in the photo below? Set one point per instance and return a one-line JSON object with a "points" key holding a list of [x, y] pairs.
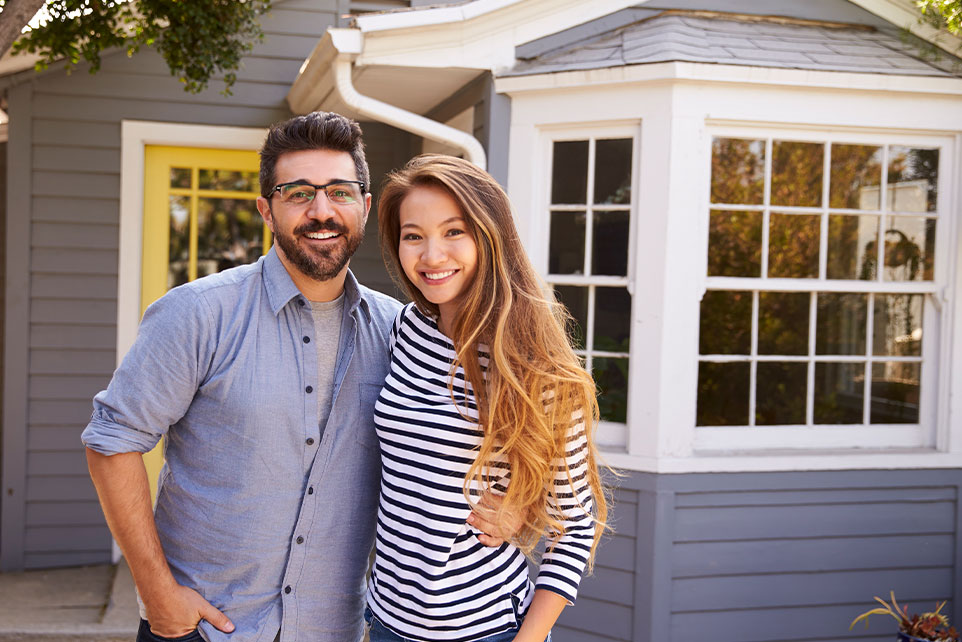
{"points": [[482, 518]]}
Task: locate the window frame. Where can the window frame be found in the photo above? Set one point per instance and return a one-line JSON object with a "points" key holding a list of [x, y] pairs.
{"points": [[610, 435], [932, 429]]}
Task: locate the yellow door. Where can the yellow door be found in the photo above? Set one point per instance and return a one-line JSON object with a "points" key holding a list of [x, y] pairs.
{"points": [[200, 217]]}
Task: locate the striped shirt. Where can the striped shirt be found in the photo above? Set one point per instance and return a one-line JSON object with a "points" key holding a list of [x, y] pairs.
{"points": [[432, 579]]}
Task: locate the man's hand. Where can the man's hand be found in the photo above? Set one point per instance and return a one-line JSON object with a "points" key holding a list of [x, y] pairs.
{"points": [[178, 613], [482, 517]]}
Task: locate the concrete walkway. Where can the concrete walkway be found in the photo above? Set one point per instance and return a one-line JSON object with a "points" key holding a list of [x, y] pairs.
{"points": [[86, 604]]}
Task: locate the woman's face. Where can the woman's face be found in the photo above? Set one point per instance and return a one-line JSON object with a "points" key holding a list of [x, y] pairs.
{"points": [[437, 252]]}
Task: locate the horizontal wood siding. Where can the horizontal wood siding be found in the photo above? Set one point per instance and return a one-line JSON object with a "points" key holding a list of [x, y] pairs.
{"points": [[73, 240]]}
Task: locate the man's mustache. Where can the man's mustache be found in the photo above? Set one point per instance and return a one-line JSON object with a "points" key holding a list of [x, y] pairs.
{"points": [[321, 226]]}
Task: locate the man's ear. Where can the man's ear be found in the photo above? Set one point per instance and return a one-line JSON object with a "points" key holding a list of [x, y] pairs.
{"points": [[367, 206], [264, 207]]}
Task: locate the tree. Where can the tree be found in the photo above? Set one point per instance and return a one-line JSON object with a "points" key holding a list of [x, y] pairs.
{"points": [[945, 14], [197, 38]]}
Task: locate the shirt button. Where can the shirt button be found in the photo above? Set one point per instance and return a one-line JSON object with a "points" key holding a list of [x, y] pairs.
{"points": [[310, 441], [300, 302], [288, 589], [310, 491], [307, 339], [300, 540], [309, 389]]}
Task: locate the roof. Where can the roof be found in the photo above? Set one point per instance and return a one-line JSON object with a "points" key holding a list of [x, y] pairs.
{"points": [[734, 39]]}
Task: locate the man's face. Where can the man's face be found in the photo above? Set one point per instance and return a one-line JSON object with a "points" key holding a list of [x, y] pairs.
{"points": [[316, 238]]}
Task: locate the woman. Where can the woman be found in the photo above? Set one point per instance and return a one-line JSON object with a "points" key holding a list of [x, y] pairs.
{"points": [[484, 395]]}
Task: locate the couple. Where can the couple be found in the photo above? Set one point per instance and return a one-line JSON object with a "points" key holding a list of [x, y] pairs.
{"points": [[308, 417]]}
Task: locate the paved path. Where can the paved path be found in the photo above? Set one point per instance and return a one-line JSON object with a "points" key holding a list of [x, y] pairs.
{"points": [[86, 604]]}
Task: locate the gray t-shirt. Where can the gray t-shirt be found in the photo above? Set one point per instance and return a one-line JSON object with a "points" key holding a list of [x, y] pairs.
{"points": [[327, 331]]}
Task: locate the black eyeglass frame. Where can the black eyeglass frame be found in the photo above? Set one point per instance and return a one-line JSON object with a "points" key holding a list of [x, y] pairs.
{"points": [[324, 187]]}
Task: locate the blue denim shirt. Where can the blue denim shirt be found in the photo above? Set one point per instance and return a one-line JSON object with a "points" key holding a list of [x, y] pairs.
{"points": [[267, 514]]}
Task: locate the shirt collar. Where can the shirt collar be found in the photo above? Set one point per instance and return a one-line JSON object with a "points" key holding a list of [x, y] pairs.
{"points": [[281, 289]]}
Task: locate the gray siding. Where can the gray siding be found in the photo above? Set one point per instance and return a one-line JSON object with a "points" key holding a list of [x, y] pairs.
{"points": [[769, 556], [65, 143]]}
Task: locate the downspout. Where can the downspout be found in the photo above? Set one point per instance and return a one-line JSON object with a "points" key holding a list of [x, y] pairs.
{"points": [[403, 119]]}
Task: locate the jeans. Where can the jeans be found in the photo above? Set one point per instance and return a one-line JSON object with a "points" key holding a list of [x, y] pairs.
{"points": [[380, 633], [144, 634]]}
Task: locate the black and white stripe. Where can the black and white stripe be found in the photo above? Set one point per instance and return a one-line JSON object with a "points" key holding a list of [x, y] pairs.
{"points": [[432, 578]]}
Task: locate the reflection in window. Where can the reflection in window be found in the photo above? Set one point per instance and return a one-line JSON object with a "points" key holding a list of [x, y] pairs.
{"points": [[588, 258], [797, 170], [852, 247], [913, 179], [737, 171], [780, 393], [726, 323], [723, 393], [734, 243], [839, 393], [229, 233], [793, 246]]}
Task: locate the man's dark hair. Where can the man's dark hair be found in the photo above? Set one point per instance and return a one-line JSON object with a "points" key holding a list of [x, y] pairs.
{"points": [[317, 130]]}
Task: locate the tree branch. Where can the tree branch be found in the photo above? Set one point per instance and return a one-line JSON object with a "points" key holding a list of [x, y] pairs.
{"points": [[16, 14]]}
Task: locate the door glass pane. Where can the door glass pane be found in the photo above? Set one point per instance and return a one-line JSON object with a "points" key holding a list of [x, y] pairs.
{"points": [[910, 249], [723, 394], [783, 323], [852, 247], [735, 243], [793, 246], [229, 233], [895, 392], [569, 173], [180, 177], [566, 246], [576, 300], [726, 323], [178, 266], [737, 171], [613, 171], [609, 252], [780, 393], [839, 393], [612, 319], [913, 179], [897, 325], [611, 377], [797, 170], [840, 323], [856, 177], [228, 180]]}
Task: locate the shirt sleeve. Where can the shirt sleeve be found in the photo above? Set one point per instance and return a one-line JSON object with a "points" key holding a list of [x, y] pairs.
{"points": [[156, 382], [563, 565]]}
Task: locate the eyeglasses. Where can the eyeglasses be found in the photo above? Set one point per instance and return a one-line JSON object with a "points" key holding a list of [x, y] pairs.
{"points": [[338, 192]]}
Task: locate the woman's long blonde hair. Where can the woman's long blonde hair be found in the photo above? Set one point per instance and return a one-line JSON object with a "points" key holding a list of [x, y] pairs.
{"points": [[535, 384]]}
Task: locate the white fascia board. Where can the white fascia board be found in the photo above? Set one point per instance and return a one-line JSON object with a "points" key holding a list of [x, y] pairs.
{"points": [[482, 36], [315, 80], [741, 74], [430, 15], [904, 14]]}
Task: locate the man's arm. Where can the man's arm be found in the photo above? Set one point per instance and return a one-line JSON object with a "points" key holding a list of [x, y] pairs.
{"points": [[172, 610]]}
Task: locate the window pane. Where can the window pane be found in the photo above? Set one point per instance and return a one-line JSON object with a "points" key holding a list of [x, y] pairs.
{"points": [[737, 171], [180, 177], [612, 319], [913, 179], [780, 393], [576, 300], [797, 170], [852, 243], [793, 246], [179, 245], [223, 179], [726, 323], [569, 173], [229, 233], [895, 393], [609, 252], [910, 249], [722, 394], [783, 323], [735, 244], [840, 323], [613, 171], [839, 393], [566, 248], [856, 177], [611, 377], [897, 325]]}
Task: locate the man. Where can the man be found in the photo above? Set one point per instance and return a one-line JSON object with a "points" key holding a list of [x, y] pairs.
{"points": [[263, 378]]}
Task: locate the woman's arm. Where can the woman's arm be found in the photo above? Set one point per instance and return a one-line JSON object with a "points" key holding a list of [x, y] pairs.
{"points": [[543, 612]]}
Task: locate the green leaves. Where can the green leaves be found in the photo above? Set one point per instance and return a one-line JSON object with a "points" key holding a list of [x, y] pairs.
{"points": [[197, 38], [944, 14]]}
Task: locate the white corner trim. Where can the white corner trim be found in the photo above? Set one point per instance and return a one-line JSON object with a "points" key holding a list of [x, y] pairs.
{"points": [[134, 136]]}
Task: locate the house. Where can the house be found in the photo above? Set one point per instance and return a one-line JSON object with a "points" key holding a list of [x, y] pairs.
{"points": [[750, 209]]}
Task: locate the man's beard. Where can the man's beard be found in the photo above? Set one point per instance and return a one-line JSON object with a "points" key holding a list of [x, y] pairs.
{"points": [[320, 264]]}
